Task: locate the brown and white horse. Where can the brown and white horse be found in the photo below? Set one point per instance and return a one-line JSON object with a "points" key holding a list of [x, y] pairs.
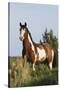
{"points": [[35, 52]]}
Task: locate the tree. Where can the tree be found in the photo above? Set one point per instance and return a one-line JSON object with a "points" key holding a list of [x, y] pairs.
{"points": [[50, 38]]}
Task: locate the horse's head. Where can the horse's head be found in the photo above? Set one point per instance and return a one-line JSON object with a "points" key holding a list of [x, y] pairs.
{"points": [[23, 31]]}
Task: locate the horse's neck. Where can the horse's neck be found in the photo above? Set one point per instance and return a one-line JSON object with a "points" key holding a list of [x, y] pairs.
{"points": [[29, 43], [30, 40]]}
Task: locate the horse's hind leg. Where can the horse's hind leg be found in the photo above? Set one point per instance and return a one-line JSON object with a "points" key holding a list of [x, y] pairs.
{"points": [[50, 65], [51, 62]]}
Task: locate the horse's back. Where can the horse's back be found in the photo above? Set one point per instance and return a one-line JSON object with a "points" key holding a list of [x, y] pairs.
{"points": [[47, 47]]}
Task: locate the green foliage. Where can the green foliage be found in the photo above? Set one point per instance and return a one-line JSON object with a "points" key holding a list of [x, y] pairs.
{"points": [[21, 74], [50, 38]]}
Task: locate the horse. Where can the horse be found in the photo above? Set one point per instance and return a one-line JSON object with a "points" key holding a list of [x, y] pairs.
{"points": [[35, 51]]}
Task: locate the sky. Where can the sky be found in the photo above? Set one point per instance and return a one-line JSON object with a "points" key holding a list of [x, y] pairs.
{"points": [[37, 16]]}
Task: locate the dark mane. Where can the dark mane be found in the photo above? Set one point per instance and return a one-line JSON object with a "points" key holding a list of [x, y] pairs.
{"points": [[29, 34]]}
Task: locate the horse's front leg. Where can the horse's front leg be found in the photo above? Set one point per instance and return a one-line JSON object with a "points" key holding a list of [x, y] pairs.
{"points": [[23, 53], [33, 66], [24, 56], [34, 61]]}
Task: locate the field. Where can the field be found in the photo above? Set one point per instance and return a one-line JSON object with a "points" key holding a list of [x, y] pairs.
{"points": [[20, 73]]}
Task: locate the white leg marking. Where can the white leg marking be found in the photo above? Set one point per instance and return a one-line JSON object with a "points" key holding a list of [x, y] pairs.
{"points": [[50, 65], [52, 55], [33, 66]]}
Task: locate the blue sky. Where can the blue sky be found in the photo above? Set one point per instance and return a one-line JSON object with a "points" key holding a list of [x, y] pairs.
{"points": [[38, 18]]}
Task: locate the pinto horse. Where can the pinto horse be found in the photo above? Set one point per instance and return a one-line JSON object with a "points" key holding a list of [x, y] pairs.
{"points": [[35, 51]]}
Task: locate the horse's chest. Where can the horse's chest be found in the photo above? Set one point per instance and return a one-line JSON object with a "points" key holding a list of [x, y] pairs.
{"points": [[41, 54]]}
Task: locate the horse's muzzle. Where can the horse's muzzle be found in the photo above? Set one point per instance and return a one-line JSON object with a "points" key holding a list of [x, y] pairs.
{"points": [[21, 38]]}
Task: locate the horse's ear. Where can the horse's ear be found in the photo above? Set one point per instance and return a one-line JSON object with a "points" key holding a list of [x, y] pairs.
{"points": [[25, 24], [20, 24]]}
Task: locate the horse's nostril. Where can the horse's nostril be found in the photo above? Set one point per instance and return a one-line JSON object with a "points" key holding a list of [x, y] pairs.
{"points": [[20, 38]]}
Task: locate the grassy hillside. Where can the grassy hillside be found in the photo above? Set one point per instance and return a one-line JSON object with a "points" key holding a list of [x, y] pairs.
{"points": [[21, 74]]}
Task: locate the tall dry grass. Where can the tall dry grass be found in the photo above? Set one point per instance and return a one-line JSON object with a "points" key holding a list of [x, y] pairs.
{"points": [[21, 74]]}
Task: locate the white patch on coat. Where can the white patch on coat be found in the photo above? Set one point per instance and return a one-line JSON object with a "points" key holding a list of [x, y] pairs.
{"points": [[31, 43], [41, 54], [22, 34]]}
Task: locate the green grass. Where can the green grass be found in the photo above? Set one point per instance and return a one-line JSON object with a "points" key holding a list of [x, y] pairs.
{"points": [[21, 74]]}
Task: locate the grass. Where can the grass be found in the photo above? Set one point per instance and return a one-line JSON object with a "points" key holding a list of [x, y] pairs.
{"points": [[20, 74]]}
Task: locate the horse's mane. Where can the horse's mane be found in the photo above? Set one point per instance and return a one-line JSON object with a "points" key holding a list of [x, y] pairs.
{"points": [[29, 34]]}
